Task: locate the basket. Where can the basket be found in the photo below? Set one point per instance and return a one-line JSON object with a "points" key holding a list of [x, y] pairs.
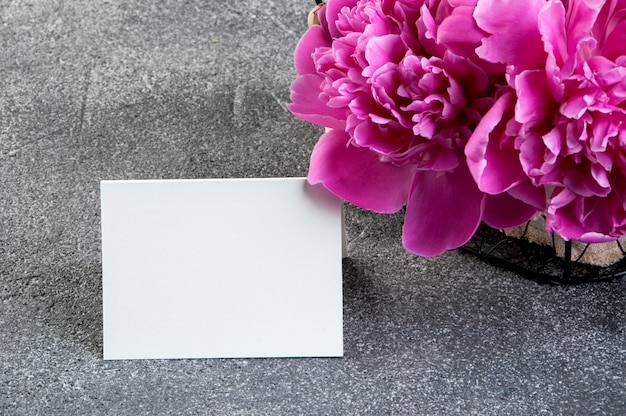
{"points": [[532, 252]]}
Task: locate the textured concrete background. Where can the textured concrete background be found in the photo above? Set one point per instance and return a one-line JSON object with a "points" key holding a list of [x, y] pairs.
{"points": [[150, 89]]}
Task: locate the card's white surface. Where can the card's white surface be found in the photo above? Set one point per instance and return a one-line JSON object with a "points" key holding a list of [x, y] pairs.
{"points": [[221, 268]]}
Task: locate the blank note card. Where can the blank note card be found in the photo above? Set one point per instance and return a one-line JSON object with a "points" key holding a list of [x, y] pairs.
{"points": [[221, 268]]}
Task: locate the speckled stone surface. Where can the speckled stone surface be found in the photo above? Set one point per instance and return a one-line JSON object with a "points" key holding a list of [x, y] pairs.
{"points": [[148, 89]]}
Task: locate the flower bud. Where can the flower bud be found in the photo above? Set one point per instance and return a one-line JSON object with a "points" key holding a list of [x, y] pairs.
{"points": [[313, 19]]}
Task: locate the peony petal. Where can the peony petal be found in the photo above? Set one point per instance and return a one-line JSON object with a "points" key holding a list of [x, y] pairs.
{"points": [[587, 182], [315, 37], [613, 47], [609, 16], [331, 10], [532, 151], [594, 238], [522, 46], [534, 100], [357, 175], [495, 168], [443, 212], [581, 16], [383, 50], [458, 3], [427, 29], [587, 220], [504, 211], [459, 32], [551, 24], [530, 194], [305, 103], [472, 78]]}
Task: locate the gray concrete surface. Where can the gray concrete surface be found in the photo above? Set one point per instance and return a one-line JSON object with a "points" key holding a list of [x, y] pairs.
{"points": [[150, 89]]}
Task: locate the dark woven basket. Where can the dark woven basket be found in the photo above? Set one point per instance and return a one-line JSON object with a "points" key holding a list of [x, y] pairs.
{"points": [[538, 262]]}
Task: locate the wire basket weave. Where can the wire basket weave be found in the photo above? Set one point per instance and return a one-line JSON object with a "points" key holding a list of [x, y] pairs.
{"points": [[539, 262]]}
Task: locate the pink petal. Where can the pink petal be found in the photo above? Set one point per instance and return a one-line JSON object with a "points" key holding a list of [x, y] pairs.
{"points": [[383, 50], [522, 46], [473, 79], [504, 211], [551, 22], [434, 221], [357, 175], [495, 168], [534, 99], [459, 32], [530, 194], [579, 219], [332, 10], [313, 38], [427, 29], [593, 238], [614, 45], [305, 103], [581, 16], [457, 3], [609, 17], [532, 151]]}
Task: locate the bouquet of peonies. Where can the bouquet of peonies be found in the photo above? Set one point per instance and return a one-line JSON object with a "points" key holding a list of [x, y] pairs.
{"points": [[470, 111]]}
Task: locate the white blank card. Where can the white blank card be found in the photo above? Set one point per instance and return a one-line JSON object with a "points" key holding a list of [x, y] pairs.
{"points": [[221, 268]]}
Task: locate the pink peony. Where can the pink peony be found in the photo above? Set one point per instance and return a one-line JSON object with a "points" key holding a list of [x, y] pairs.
{"points": [[400, 89], [558, 129]]}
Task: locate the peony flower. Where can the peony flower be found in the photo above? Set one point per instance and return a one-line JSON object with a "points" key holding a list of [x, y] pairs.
{"points": [[558, 129], [400, 88]]}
